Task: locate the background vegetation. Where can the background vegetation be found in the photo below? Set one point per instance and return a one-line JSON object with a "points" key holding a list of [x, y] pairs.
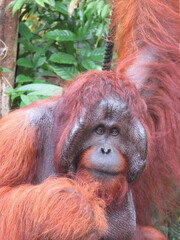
{"points": [[54, 47]]}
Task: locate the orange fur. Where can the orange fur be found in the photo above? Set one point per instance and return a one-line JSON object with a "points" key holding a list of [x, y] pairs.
{"points": [[147, 44], [148, 233], [55, 209], [18, 151], [58, 208], [110, 189], [142, 22]]}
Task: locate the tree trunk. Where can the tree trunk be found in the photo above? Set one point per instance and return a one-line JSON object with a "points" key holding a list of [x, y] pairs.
{"points": [[8, 52]]}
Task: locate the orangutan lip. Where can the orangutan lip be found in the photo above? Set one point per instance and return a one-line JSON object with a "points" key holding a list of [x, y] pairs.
{"points": [[102, 173]]}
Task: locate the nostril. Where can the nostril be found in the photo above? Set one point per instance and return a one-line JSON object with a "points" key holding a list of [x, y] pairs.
{"points": [[108, 151], [105, 150]]}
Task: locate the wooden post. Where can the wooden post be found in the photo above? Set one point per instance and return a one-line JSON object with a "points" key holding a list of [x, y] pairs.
{"points": [[8, 52]]}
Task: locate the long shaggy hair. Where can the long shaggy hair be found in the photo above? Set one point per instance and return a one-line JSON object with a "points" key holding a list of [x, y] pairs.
{"points": [[147, 44]]}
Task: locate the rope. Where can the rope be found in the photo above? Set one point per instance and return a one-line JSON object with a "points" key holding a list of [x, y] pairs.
{"points": [[109, 46]]}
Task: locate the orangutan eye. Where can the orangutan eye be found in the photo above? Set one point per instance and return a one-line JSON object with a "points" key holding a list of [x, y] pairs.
{"points": [[100, 130], [114, 132]]}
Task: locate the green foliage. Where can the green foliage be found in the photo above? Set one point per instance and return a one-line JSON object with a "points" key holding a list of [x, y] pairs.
{"points": [[53, 44], [3, 70], [32, 92], [17, 4]]}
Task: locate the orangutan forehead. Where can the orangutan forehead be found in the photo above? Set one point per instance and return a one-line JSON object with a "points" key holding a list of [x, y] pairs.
{"points": [[112, 108]]}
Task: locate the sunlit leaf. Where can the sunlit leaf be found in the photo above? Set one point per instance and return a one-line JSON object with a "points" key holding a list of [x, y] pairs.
{"points": [[105, 11], [17, 5], [10, 5], [66, 73], [63, 58], [2, 69], [61, 35], [40, 2], [25, 99], [60, 7], [50, 2], [38, 60], [41, 89], [10, 91], [98, 54], [88, 64], [22, 78]]}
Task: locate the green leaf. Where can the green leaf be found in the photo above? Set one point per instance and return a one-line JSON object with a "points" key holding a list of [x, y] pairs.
{"points": [[40, 52], [34, 97], [99, 6], [69, 46], [46, 73], [38, 60], [61, 35], [50, 2], [98, 67], [25, 99], [25, 31], [63, 58], [2, 69], [37, 80], [60, 7], [46, 92], [26, 45], [97, 54], [40, 2], [91, 5], [88, 64], [10, 91], [41, 89], [66, 73], [14, 96], [85, 52], [17, 5], [63, 73], [86, 31], [23, 79], [22, 104], [24, 62], [105, 11], [100, 30], [73, 70], [10, 5]]}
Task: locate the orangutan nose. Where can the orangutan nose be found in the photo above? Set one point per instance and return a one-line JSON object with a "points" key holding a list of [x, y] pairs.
{"points": [[105, 150]]}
